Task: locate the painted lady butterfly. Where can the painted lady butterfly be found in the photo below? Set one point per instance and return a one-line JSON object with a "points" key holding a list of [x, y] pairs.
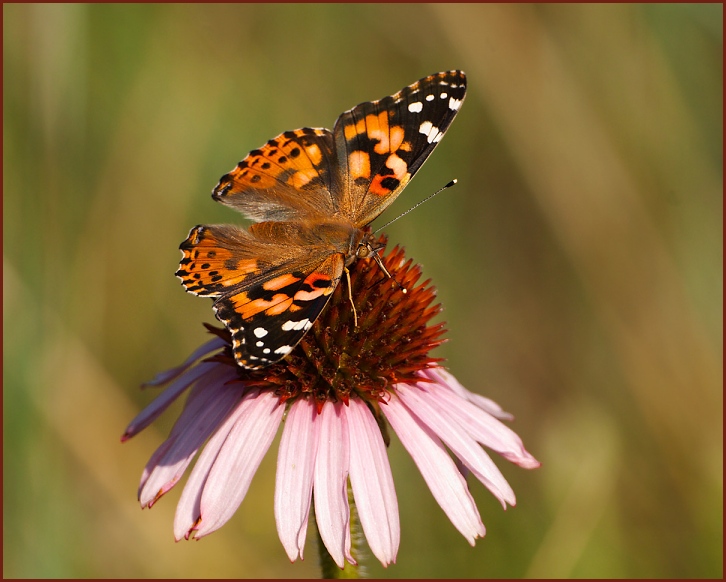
{"points": [[312, 194]]}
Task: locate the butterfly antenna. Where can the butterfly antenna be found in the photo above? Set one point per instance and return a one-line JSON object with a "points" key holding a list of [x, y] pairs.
{"points": [[449, 185]]}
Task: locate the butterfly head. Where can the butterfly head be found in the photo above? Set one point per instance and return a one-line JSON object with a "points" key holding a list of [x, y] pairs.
{"points": [[367, 247]]}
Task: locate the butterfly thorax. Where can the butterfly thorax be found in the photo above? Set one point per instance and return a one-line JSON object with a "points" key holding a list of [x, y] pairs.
{"points": [[353, 242], [340, 235], [336, 235]]}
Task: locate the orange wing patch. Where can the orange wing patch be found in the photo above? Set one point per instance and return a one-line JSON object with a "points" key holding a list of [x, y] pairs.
{"points": [[385, 140], [280, 282], [359, 164], [376, 127], [315, 285], [248, 308], [383, 185]]}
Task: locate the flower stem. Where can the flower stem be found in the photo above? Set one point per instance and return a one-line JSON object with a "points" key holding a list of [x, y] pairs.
{"points": [[329, 569]]}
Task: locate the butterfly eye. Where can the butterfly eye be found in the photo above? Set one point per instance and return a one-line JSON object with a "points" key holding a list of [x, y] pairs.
{"points": [[364, 251]]}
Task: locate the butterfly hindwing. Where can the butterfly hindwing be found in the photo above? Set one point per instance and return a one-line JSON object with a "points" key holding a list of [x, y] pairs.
{"points": [[217, 259], [382, 144], [290, 177], [267, 320]]}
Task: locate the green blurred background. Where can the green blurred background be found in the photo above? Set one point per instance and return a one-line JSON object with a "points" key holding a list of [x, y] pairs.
{"points": [[579, 262]]}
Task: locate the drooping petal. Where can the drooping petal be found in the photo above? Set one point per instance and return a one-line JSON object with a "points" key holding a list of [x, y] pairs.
{"points": [[145, 498], [163, 377], [458, 440], [445, 481], [188, 509], [294, 481], [332, 512], [238, 460], [162, 402], [204, 411], [372, 483], [483, 427], [443, 377]]}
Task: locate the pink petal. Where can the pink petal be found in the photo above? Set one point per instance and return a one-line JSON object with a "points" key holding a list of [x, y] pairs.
{"points": [[163, 377], [294, 481], [331, 477], [205, 409], [372, 483], [443, 377], [169, 395], [440, 473], [458, 440], [187, 510], [145, 498], [238, 460], [483, 427]]}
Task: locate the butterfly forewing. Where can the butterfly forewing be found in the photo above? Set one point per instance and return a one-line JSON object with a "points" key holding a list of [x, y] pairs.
{"points": [[288, 178], [383, 143]]}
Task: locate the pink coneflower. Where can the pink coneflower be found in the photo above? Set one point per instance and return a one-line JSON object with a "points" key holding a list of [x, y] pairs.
{"points": [[335, 392]]}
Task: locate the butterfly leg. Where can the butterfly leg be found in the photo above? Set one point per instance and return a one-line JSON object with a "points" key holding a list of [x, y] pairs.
{"points": [[378, 260], [350, 296]]}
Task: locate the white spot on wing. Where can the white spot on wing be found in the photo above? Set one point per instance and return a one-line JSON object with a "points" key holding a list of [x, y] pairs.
{"points": [[297, 325], [431, 132], [266, 351], [260, 332], [429, 97], [260, 344], [444, 95], [283, 350], [415, 107], [454, 104]]}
